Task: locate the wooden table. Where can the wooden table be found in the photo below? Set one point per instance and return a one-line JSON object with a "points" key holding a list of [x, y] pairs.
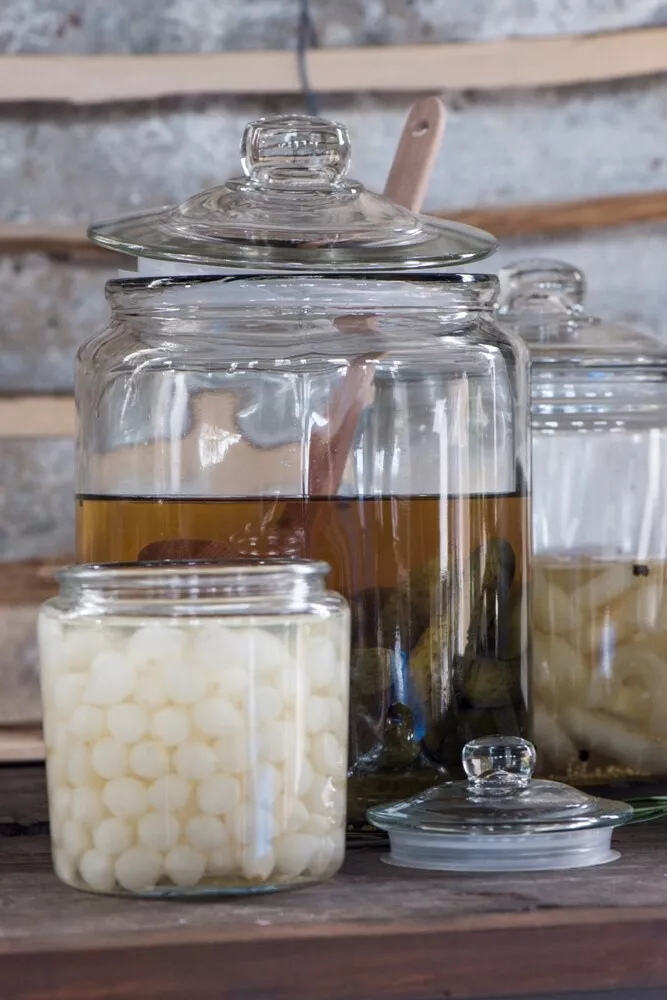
{"points": [[372, 932]]}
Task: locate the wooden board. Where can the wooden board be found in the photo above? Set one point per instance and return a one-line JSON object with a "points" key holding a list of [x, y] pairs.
{"points": [[517, 62], [558, 217], [505, 221], [21, 744], [37, 417], [30, 581], [373, 932]]}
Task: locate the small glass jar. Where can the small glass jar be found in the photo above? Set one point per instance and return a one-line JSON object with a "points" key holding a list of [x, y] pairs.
{"points": [[196, 723], [599, 580]]}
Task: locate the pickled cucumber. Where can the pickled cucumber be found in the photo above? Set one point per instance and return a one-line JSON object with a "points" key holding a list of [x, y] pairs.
{"points": [[399, 748], [427, 659], [488, 683], [370, 687], [492, 570], [408, 610]]}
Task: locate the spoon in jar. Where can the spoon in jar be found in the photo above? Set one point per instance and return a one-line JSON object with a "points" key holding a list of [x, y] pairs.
{"points": [[406, 185]]}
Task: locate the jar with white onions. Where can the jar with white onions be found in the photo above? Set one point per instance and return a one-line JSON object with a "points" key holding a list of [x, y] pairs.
{"points": [[196, 721]]}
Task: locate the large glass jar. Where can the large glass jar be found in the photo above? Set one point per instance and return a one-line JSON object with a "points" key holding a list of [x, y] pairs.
{"points": [[195, 719], [347, 407], [599, 581]]}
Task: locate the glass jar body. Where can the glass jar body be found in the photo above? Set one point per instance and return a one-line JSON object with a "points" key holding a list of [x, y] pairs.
{"points": [[377, 423], [600, 572], [196, 729]]}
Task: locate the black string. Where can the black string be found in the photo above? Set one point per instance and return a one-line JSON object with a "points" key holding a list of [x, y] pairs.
{"points": [[306, 39]]}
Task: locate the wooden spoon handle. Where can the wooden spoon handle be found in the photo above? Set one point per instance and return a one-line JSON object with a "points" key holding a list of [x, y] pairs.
{"points": [[406, 185], [417, 150]]}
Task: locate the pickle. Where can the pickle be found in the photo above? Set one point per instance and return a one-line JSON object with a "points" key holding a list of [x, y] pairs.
{"points": [[512, 638], [407, 612], [426, 660], [365, 610], [488, 683], [399, 747], [396, 748], [428, 672], [370, 690], [490, 592], [475, 722]]}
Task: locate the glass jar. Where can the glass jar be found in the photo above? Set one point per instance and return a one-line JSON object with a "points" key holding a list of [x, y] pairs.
{"points": [[345, 404], [599, 416], [195, 720]]}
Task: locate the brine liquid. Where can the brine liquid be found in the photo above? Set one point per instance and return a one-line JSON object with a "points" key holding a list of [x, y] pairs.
{"points": [[600, 669], [439, 617]]}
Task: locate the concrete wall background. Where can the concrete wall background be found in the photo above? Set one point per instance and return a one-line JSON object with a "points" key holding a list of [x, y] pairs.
{"points": [[209, 25], [65, 165]]}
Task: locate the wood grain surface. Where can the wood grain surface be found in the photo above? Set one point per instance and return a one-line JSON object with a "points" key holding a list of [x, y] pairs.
{"points": [[30, 581], [37, 416], [504, 221], [20, 744], [372, 932], [562, 60]]}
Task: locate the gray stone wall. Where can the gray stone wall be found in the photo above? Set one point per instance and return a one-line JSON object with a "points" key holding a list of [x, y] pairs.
{"points": [[73, 164], [91, 26], [65, 165]]}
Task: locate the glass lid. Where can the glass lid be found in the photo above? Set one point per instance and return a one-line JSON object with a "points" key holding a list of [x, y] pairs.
{"points": [[500, 817], [294, 209], [543, 300]]}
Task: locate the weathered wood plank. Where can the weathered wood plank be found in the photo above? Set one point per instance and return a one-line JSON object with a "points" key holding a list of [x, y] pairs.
{"points": [[505, 221], [37, 417], [561, 60], [21, 744], [373, 931], [519, 958], [30, 581], [22, 797], [554, 218]]}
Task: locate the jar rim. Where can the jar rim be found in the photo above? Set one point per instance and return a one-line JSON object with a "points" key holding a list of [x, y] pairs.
{"points": [[409, 277], [171, 295], [151, 574]]}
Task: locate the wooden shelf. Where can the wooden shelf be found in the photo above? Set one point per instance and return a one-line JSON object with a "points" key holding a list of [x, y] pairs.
{"points": [[495, 65], [504, 221], [21, 744], [372, 932], [37, 416]]}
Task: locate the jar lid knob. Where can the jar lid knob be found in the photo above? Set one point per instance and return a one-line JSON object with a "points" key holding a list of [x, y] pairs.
{"points": [[534, 284], [498, 763], [295, 151]]}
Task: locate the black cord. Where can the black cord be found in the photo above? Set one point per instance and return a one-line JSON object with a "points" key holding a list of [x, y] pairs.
{"points": [[306, 39]]}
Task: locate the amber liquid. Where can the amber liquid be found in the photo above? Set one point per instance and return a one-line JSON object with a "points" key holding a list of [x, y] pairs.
{"points": [[439, 617]]}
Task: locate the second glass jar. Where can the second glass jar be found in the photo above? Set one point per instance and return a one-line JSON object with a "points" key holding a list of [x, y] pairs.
{"points": [[599, 414]]}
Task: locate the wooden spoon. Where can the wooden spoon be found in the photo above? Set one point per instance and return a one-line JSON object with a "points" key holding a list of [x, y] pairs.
{"points": [[406, 185]]}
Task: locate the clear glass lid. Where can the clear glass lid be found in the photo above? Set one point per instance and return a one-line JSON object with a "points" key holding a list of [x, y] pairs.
{"points": [[501, 795], [500, 818], [543, 300], [294, 209]]}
